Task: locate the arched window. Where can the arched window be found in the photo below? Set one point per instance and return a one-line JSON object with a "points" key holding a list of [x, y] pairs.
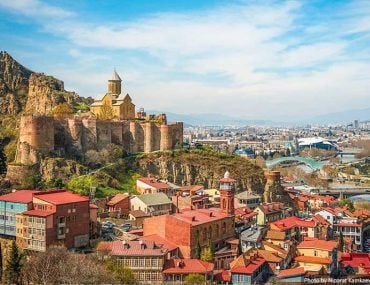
{"points": [[217, 232], [204, 234], [210, 232], [223, 204]]}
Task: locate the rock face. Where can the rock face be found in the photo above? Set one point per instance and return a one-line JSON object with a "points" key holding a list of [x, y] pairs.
{"points": [[45, 93], [14, 80], [193, 168]]}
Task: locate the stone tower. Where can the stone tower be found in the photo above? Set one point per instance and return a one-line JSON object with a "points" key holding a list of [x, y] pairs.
{"points": [[274, 192], [227, 193], [114, 84]]}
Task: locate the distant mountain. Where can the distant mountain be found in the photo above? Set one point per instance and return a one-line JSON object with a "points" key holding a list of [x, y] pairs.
{"points": [[340, 117]]}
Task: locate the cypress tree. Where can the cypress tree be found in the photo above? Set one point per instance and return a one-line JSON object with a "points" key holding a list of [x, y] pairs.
{"points": [[341, 242], [14, 264], [198, 250]]}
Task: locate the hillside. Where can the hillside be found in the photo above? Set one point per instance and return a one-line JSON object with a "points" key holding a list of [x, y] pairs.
{"points": [[23, 91]]}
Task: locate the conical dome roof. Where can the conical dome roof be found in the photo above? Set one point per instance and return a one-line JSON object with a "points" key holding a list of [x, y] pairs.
{"points": [[115, 76]]}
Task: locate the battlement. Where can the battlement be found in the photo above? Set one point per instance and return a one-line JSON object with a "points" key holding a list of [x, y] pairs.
{"points": [[42, 135]]}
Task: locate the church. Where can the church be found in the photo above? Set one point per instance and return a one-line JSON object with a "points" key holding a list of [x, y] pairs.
{"points": [[115, 104]]}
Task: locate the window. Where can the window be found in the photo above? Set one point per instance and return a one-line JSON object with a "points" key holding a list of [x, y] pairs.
{"points": [[224, 228], [315, 253], [204, 234]]}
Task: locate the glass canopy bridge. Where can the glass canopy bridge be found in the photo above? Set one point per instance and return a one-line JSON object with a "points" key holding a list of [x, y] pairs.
{"points": [[310, 162]]}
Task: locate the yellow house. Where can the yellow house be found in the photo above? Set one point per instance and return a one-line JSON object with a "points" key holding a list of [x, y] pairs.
{"points": [[115, 104], [314, 254]]}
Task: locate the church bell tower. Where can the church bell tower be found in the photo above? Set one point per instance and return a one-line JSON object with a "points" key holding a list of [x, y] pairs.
{"points": [[114, 84], [227, 193]]}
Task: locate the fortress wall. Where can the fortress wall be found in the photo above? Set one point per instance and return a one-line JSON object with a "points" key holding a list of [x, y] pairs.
{"points": [[117, 133], [26, 155], [89, 134], [127, 139], [166, 138], [104, 133], [137, 133], [148, 137], [176, 132], [38, 132], [75, 129]]}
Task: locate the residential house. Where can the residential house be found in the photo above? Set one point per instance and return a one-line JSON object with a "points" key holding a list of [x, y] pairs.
{"points": [[12, 204], [324, 229], [57, 217], [252, 237], [152, 204], [136, 217], [144, 258], [314, 254], [225, 255], [292, 275], [244, 218], [119, 205], [295, 228], [176, 270], [247, 199], [342, 220], [356, 263], [270, 212], [275, 262], [249, 268], [191, 197], [151, 185], [287, 252]]}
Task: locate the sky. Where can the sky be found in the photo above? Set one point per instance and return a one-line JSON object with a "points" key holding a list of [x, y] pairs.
{"points": [[272, 60]]}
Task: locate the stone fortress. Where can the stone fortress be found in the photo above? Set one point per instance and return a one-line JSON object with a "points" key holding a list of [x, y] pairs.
{"points": [[112, 119]]}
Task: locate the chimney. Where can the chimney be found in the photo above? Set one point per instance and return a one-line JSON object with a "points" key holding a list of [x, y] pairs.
{"points": [[142, 244]]}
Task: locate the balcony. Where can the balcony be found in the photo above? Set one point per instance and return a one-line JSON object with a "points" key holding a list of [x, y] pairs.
{"points": [[61, 236]]}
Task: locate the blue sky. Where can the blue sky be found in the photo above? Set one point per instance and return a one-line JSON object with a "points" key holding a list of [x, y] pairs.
{"points": [[252, 59]]}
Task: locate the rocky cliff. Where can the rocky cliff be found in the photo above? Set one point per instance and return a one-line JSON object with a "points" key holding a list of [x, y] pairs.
{"points": [[14, 80], [197, 167]]}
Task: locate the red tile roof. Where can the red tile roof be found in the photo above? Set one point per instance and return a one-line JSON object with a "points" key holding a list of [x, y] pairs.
{"points": [[250, 267], [222, 276], [136, 248], [227, 179], [321, 220], [20, 196], [245, 213], [318, 243], [59, 197], [186, 266], [292, 222], [314, 259], [117, 198], [291, 272], [155, 183], [104, 246], [200, 216], [160, 242], [269, 208], [356, 260], [38, 213], [275, 235]]}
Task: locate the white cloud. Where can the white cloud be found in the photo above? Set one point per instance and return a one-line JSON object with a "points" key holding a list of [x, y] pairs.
{"points": [[34, 8]]}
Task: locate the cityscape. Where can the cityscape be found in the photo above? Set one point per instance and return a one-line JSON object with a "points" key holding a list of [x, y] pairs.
{"points": [[160, 142]]}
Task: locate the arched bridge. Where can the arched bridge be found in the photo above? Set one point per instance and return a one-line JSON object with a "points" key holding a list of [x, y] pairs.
{"points": [[310, 162]]}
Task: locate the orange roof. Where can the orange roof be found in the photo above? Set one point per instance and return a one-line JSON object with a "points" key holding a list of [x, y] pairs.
{"points": [[38, 213], [184, 266], [321, 220], [269, 208], [20, 196], [291, 272], [117, 198], [314, 259], [59, 197], [275, 235], [269, 256], [200, 216], [93, 206], [155, 183], [104, 246], [318, 243], [292, 222], [250, 267]]}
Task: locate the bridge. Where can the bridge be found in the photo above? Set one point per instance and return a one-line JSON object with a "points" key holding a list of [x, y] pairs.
{"points": [[310, 162], [346, 192]]}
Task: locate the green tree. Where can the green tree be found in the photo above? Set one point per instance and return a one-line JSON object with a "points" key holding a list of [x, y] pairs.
{"points": [[14, 265], [195, 279], [122, 274], [206, 254], [82, 184], [341, 241], [198, 250], [106, 112], [347, 202]]}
